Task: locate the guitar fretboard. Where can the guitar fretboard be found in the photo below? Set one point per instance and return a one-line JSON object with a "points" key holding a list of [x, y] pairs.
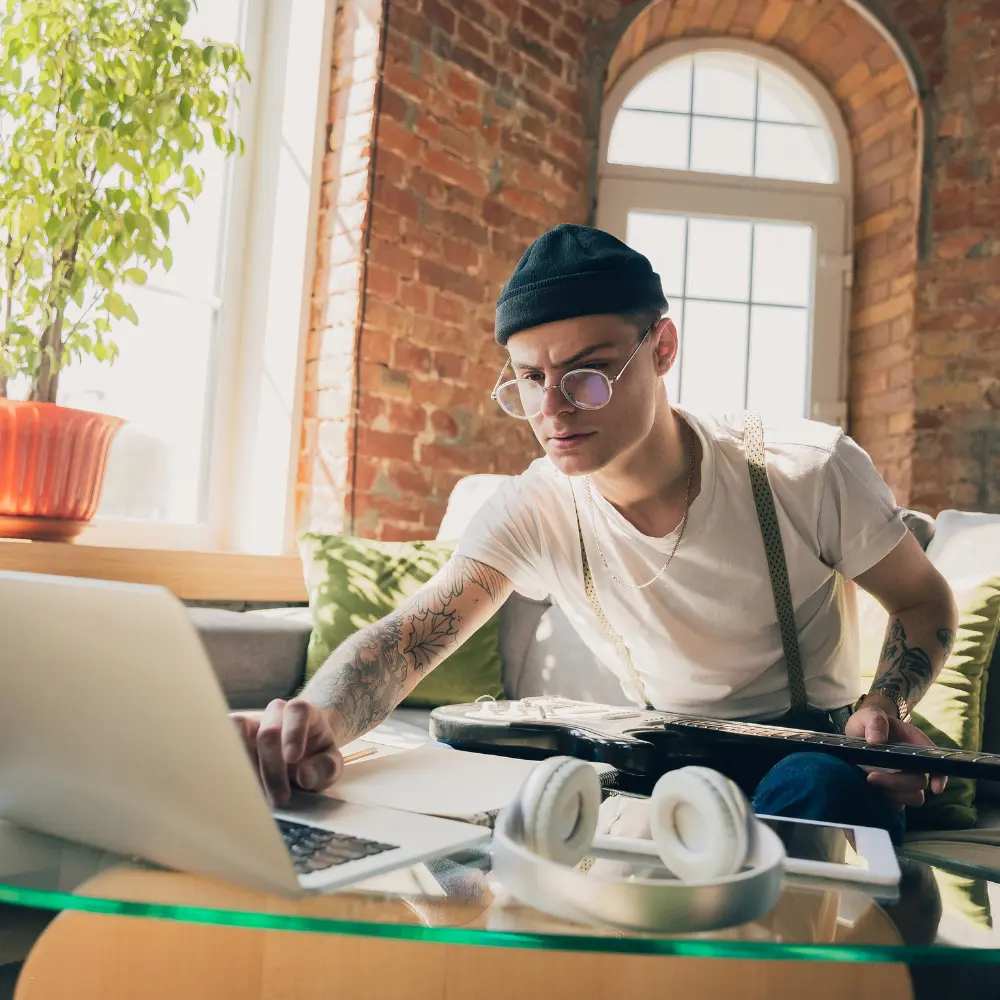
{"points": [[962, 763]]}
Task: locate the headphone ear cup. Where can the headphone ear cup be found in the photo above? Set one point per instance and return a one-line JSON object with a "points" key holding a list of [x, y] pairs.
{"points": [[559, 803], [700, 822]]}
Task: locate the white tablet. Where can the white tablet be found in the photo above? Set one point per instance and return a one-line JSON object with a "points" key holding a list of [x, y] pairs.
{"points": [[824, 850]]}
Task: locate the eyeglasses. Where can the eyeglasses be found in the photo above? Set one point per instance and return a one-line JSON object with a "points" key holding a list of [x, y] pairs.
{"points": [[585, 388]]}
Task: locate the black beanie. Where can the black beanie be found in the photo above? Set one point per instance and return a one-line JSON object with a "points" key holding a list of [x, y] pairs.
{"points": [[575, 271]]}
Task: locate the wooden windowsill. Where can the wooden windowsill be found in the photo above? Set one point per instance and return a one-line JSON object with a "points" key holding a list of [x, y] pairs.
{"points": [[192, 576]]}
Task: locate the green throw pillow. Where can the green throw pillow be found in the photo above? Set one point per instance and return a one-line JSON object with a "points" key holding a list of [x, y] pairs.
{"points": [[353, 582], [953, 710]]}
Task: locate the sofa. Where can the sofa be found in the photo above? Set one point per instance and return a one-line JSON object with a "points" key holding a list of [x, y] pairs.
{"points": [[260, 654]]}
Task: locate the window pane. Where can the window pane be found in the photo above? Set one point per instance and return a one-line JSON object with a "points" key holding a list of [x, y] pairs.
{"points": [[160, 385], [795, 153], [197, 246], [783, 264], [164, 383], [673, 377], [665, 89], [722, 147], [781, 99], [661, 238], [713, 376], [725, 85], [719, 259], [779, 355], [649, 139]]}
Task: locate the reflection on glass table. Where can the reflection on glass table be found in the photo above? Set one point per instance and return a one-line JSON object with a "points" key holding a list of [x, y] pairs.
{"points": [[933, 916]]}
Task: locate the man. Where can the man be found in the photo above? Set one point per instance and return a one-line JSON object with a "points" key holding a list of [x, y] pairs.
{"points": [[660, 499]]}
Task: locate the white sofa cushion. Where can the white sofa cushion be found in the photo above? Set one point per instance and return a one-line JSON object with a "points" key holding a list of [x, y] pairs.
{"points": [[965, 544]]}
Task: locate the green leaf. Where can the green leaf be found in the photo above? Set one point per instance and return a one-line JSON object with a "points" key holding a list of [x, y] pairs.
{"points": [[135, 274], [114, 304], [184, 107]]}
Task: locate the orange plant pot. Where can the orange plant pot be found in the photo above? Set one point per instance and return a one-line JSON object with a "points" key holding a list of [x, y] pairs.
{"points": [[52, 464]]}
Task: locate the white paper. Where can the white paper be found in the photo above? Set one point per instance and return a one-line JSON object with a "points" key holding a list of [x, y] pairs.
{"points": [[436, 780]]}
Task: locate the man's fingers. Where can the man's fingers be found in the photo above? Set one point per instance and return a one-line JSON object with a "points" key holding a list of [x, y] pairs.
{"points": [[905, 732], [294, 730], [877, 728], [305, 730], [319, 771], [907, 781], [247, 728], [273, 769]]}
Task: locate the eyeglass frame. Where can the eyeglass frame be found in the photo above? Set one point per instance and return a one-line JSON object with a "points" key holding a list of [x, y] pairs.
{"points": [[494, 395]]}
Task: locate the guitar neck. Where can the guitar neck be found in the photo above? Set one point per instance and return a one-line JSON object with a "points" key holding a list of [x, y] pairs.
{"points": [[900, 756]]}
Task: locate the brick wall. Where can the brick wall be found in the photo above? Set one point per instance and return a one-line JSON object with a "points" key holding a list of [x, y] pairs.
{"points": [[478, 151], [485, 138], [869, 82], [956, 383]]}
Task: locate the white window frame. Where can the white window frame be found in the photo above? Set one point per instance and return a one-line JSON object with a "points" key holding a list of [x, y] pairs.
{"points": [[622, 188], [272, 227]]}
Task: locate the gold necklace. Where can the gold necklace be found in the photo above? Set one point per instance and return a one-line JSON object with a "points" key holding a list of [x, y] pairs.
{"points": [[680, 530]]}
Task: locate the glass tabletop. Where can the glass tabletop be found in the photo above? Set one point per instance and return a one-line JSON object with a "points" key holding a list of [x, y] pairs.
{"points": [[937, 915]]}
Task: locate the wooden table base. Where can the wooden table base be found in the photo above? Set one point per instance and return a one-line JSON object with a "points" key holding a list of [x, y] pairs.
{"points": [[95, 957]]}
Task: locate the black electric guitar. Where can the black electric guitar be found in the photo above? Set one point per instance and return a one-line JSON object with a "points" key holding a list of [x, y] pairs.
{"points": [[643, 745]]}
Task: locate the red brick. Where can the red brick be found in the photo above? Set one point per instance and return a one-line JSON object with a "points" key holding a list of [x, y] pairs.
{"points": [[460, 254], [398, 76], [391, 531], [452, 169], [473, 37], [379, 444], [381, 281], [534, 23], [450, 310], [445, 425], [393, 104], [439, 15], [409, 358], [448, 365], [414, 296], [403, 203], [407, 417], [462, 88], [394, 137], [450, 280], [408, 479]]}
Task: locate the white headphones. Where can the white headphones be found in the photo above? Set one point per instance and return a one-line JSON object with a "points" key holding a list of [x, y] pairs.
{"points": [[727, 865]]}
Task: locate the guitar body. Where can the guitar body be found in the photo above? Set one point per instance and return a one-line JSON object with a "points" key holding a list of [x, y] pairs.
{"points": [[643, 745]]}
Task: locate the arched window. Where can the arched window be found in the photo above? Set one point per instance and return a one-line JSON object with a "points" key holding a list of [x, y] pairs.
{"points": [[729, 167]]}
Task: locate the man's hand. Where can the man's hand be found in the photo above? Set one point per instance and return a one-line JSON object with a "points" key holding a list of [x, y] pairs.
{"points": [[879, 725], [291, 744]]}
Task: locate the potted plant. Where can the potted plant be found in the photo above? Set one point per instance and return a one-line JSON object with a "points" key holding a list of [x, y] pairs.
{"points": [[103, 105]]}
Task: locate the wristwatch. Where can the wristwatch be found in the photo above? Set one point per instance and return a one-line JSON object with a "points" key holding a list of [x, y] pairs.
{"points": [[902, 708]]}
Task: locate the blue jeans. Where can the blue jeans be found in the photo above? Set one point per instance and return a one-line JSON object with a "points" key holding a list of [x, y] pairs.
{"points": [[818, 786]]}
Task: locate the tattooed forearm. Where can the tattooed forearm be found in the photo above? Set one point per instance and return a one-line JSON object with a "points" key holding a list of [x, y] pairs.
{"points": [[367, 683], [371, 672], [905, 670]]}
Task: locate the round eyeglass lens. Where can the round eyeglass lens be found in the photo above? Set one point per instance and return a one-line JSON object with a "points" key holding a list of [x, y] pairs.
{"points": [[587, 389], [520, 397]]}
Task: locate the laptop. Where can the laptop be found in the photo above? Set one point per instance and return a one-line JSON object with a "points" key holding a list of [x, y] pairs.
{"points": [[114, 733]]}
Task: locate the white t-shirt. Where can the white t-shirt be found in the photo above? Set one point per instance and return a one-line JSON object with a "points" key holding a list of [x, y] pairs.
{"points": [[704, 637]]}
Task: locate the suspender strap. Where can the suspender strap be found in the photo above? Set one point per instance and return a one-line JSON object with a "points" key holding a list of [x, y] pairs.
{"points": [[753, 442], [609, 630]]}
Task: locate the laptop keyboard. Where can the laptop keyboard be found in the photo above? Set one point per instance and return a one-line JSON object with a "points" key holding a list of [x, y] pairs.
{"points": [[313, 849]]}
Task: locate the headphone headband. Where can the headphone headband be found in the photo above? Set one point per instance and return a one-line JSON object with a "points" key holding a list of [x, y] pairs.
{"points": [[697, 903]]}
